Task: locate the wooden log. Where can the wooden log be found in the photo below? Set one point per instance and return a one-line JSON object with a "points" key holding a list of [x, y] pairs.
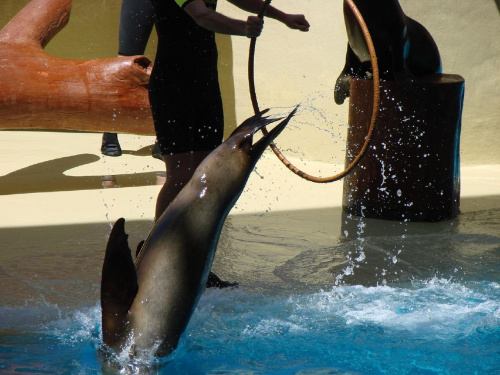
{"points": [[41, 91], [411, 170]]}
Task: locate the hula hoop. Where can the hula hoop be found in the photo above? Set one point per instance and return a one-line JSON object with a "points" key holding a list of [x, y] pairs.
{"points": [[376, 99]]}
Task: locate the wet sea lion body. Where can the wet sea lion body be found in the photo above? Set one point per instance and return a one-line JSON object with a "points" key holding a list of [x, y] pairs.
{"points": [[146, 306]]}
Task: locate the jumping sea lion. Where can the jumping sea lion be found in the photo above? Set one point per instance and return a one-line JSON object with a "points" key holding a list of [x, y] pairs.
{"points": [[404, 48], [147, 305]]}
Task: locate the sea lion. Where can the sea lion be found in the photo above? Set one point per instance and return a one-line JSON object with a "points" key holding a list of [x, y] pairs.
{"points": [[404, 48], [147, 305]]}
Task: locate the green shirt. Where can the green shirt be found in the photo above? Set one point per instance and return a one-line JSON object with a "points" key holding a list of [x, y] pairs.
{"points": [[209, 3]]}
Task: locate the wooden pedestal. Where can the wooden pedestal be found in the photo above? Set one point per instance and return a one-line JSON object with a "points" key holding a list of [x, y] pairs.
{"points": [[411, 170]]}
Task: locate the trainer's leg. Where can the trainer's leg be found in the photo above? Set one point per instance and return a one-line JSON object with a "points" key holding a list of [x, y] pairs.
{"points": [[179, 170], [136, 24]]}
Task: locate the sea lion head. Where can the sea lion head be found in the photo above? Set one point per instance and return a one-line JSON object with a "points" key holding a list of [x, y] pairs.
{"points": [[231, 163]]}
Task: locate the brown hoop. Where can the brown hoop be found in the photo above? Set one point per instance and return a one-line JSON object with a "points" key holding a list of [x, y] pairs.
{"points": [[376, 99]]}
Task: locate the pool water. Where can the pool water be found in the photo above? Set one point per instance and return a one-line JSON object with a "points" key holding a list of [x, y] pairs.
{"points": [[320, 293]]}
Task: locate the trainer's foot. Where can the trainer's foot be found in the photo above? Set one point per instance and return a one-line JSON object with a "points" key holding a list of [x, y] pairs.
{"points": [[110, 145], [156, 153]]}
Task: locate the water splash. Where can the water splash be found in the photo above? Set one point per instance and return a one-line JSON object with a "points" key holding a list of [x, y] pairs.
{"points": [[350, 329], [359, 256]]}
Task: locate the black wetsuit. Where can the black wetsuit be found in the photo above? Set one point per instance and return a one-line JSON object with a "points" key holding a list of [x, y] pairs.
{"points": [[184, 88]]}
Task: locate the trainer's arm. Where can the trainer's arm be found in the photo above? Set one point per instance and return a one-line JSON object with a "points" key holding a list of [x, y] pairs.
{"points": [[217, 22], [293, 21]]}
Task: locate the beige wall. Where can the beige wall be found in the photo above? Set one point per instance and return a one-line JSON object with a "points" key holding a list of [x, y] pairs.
{"points": [[294, 67], [468, 35]]}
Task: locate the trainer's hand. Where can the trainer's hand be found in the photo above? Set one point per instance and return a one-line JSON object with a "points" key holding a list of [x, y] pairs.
{"points": [[254, 26], [297, 22]]}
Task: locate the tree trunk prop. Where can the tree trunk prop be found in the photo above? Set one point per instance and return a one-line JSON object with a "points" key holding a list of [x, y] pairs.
{"points": [[411, 170], [40, 91]]}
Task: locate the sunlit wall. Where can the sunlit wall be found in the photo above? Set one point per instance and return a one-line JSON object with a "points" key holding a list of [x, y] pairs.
{"points": [[294, 67]]}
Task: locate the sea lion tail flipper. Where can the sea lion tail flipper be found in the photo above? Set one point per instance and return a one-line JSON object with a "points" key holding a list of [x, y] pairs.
{"points": [[118, 286]]}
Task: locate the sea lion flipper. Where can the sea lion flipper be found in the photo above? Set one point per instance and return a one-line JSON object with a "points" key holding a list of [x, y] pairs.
{"points": [[119, 284], [352, 67], [139, 248], [342, 88], [215, 281]]}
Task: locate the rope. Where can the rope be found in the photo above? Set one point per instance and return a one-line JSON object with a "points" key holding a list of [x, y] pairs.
{"points": [[376, 99]]}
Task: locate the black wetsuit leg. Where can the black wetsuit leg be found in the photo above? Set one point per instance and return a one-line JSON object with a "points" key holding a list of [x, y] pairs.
{"points": [[136, 24]]}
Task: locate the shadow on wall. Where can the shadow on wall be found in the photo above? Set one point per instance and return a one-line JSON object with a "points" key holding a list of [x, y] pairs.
{"points": [[49, 176], [497, 2]]}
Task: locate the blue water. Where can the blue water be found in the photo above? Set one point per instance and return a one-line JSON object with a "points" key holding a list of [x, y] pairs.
{"points": [[432, 327], [443, 319]]}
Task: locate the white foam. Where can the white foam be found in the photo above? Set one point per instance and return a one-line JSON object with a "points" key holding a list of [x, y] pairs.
{"points": [[437, 306]]}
